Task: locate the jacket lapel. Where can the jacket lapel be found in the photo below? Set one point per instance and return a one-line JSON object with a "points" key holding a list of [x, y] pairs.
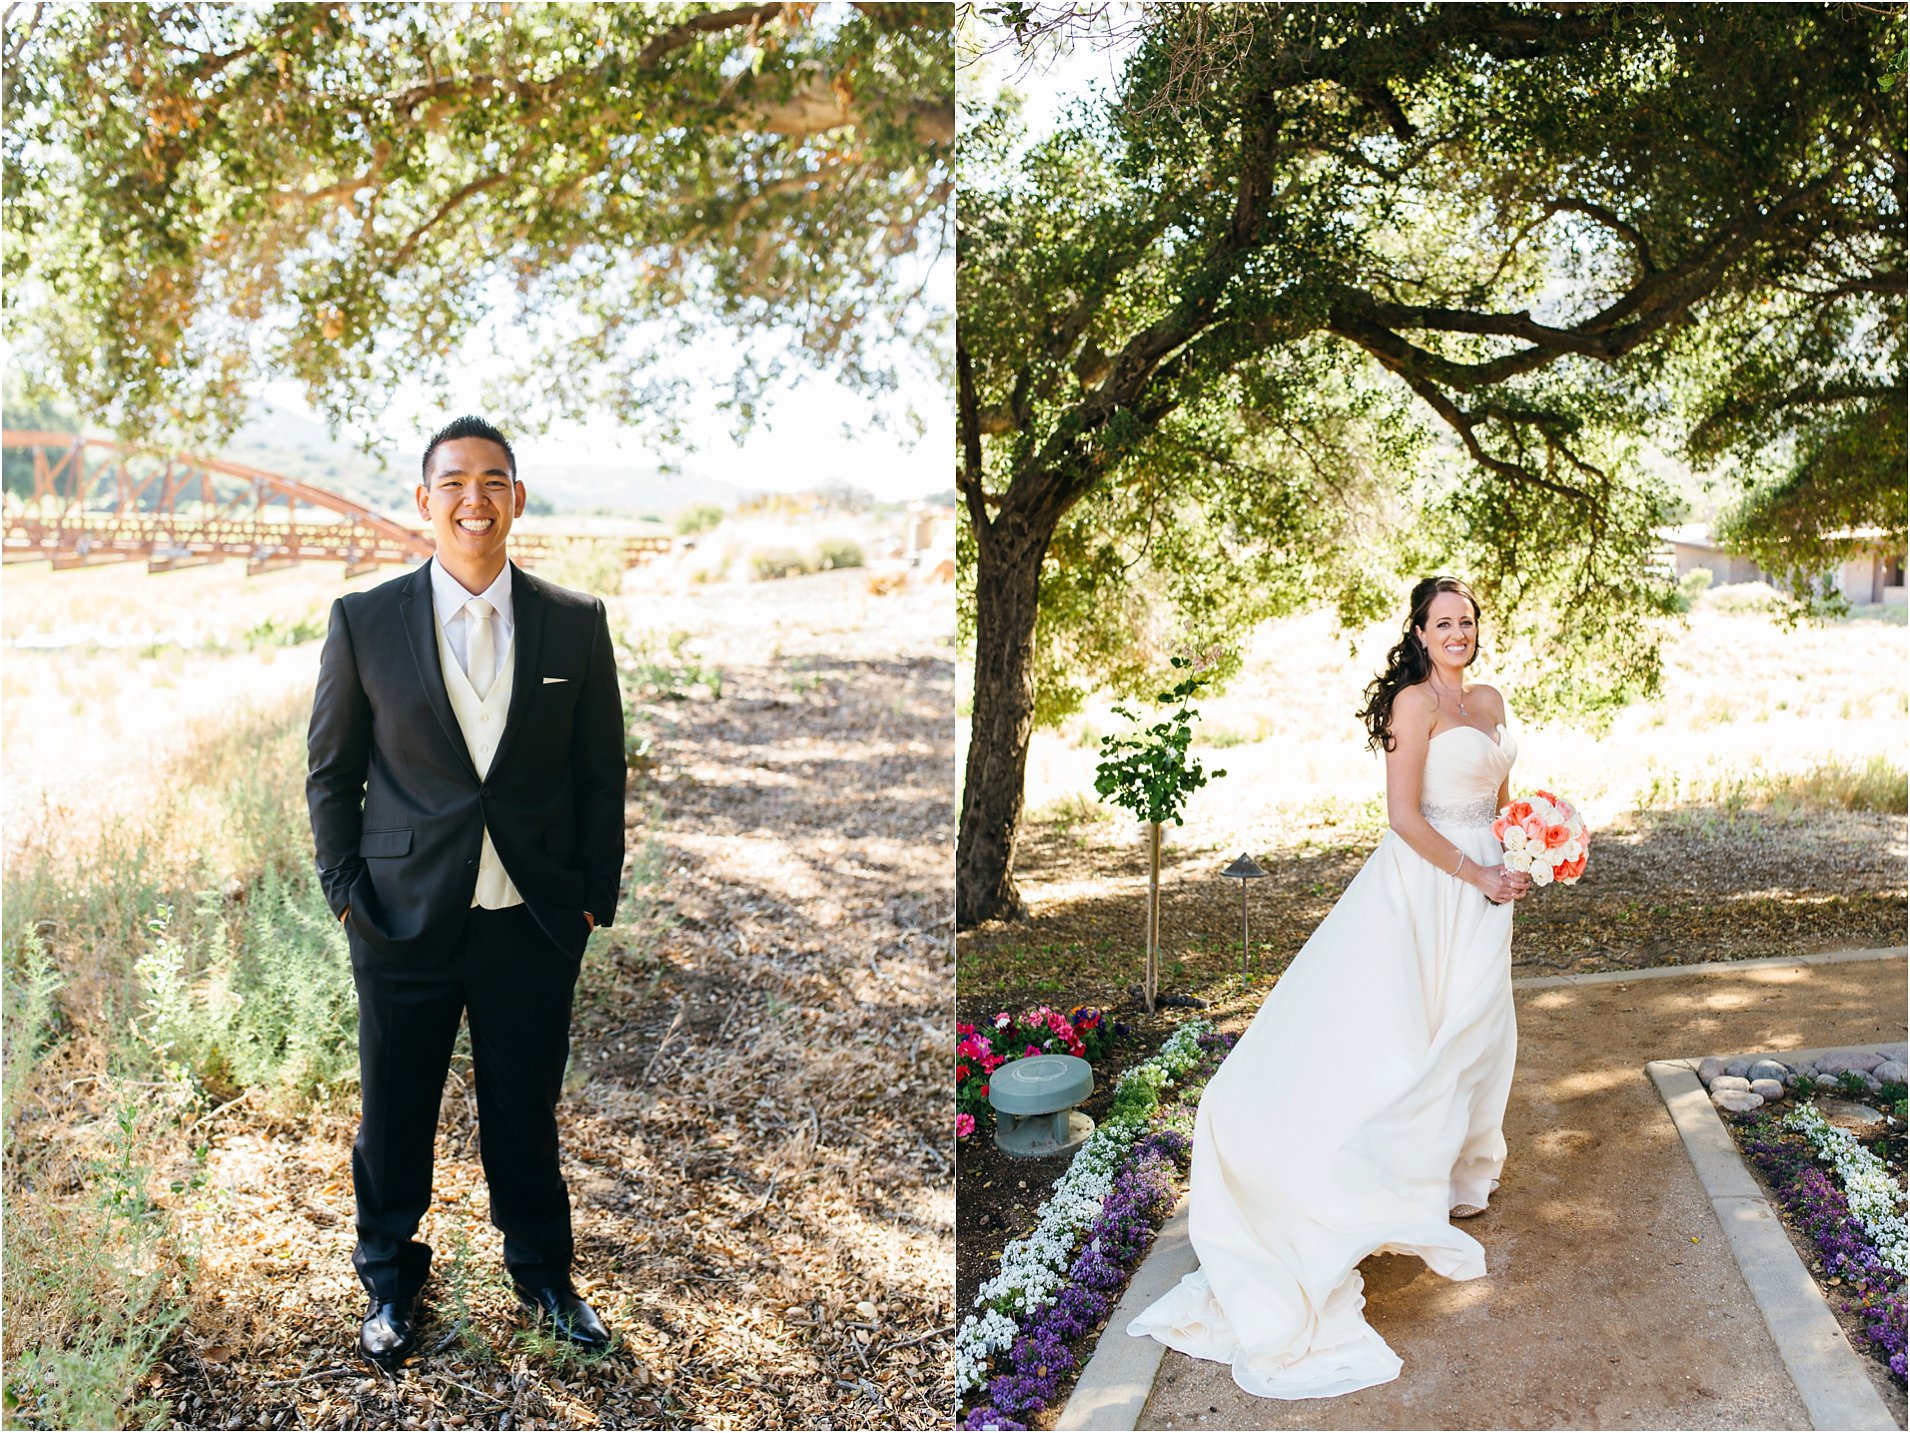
{"points": [[421, 634], [527, 610]]}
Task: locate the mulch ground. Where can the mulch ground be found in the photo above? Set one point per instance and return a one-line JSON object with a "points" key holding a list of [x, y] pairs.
{"points": [[1663, 888], [756, 1131]]}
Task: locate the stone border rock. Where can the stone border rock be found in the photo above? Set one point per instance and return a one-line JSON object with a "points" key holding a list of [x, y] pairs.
{"points": [[1746, 1082], [1829, 1373]]}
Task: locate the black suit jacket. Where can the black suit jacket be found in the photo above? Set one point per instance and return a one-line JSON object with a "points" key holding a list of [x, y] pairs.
{"points": [[398, 809]]}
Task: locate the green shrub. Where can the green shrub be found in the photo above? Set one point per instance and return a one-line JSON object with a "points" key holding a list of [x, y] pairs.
{"points": [[1691, 587], [771, 563], [31, 1013], [95, 1286], [277, 1012], [700, 518], [586, 564], [295, 632], [835, 552]]}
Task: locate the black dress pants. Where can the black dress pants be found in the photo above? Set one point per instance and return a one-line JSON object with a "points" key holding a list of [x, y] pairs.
{"points": [[516, 986]]}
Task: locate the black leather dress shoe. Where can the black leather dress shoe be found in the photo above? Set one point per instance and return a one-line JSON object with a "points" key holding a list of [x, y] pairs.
{"points": [[390, 1332], [569, 1316]]}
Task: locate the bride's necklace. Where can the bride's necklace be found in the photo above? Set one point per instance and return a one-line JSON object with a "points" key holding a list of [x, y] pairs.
{"points": [[1458, 696]]}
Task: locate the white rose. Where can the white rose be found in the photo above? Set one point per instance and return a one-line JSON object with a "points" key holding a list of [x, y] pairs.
{"points": [[1574, 827], [1518, 861], [1514, 838], [1541, 874], [1570, 851]]}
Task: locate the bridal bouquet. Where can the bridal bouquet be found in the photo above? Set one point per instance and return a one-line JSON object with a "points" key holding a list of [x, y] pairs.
{"points": [[1544, 836]]}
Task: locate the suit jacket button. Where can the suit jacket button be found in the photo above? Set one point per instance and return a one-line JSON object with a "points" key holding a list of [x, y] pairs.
{"points": [[484, 791]]}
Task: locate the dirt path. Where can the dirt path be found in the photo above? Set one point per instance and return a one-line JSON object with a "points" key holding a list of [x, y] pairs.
{"points": [[1598, 1309], [756, 1131]]}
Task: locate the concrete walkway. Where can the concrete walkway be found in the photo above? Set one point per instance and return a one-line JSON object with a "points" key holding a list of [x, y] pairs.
{"points": [[1612, 1299]]}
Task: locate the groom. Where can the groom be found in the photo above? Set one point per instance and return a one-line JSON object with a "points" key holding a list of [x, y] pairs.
{"points": [[466, 788]]}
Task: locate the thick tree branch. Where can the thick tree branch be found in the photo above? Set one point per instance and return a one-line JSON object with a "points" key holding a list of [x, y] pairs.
{"points": [[969, 476], [693, 29]]}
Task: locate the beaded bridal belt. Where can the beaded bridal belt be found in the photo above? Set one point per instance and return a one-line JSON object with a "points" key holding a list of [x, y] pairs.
{"points": [[1482, 812]]}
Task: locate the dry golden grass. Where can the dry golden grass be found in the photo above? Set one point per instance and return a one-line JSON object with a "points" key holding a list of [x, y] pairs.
{"points": [[1743, 697]]}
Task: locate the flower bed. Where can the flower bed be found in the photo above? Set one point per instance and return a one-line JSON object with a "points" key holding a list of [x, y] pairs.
{"points": [[1872, 1194], [979, 1053], [1860, 1278], [1059, 1282]]}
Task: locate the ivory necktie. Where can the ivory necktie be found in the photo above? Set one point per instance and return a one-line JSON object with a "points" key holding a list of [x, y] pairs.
{"points": [[480, 650]]}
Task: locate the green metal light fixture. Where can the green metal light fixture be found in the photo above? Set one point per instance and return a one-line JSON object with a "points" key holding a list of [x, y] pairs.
{"points": [[1243, 870]]}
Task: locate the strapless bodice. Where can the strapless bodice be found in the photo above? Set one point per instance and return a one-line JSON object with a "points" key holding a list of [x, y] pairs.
{"points": [[1464, 768]]}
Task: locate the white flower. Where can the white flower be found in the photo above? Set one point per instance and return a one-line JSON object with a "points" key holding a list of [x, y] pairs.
{"points": [[1514, 838], [1541, 874], [1574, 827], [1571, 851], [1518, 861], [1873, 1195]]}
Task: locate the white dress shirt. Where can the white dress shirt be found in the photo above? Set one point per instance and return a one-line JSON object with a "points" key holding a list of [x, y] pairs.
{"points": [[448, 597]]}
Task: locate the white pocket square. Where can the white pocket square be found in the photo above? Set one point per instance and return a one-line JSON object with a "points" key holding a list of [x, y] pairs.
{"points": [[549, 680]]}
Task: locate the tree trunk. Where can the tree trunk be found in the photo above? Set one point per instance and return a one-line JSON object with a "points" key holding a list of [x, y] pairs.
{"points": [[1151, 976], [1008, 556]]}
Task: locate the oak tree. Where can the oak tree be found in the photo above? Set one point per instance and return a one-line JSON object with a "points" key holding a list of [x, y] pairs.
{"points": [[343, 193], [1523, 219]]}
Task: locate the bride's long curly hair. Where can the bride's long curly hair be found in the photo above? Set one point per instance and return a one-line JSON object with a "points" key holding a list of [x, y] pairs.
{"points": [[1409, 662]]}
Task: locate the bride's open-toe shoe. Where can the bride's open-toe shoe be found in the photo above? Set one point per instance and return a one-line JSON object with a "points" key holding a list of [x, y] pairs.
{"points": [[1467, 1211]]}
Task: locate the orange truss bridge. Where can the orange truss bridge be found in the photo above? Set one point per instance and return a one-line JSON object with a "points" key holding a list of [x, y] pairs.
{"points": [[96, 501]]}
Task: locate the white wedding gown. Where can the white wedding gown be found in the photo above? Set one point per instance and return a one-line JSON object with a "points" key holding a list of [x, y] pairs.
{"points": [[1362, 1104]]}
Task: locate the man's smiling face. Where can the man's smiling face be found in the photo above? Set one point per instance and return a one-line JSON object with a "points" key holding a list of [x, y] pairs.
{"points": [[470, 498]]}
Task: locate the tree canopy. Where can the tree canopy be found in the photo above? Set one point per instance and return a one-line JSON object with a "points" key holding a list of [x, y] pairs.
{"points": [[1305, 250], [341, 194]]}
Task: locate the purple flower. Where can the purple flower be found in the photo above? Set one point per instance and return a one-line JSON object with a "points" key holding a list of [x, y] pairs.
{"points": [[1820, 1210], [985, 1417]]}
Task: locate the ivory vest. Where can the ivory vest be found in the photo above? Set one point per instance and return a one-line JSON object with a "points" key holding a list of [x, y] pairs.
{"points": [[482, 722]]}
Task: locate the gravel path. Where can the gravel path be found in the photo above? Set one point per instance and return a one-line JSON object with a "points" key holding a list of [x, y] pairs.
{"points": [[1611, 1298]]}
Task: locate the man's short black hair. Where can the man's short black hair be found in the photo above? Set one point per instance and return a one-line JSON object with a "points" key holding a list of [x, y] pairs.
{"points": [[466, 427]]}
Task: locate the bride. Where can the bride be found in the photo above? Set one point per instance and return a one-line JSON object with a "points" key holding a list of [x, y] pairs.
{"points": [[1404, 992]]}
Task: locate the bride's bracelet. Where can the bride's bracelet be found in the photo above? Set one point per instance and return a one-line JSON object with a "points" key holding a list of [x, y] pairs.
{"points": [[1462, 864]]}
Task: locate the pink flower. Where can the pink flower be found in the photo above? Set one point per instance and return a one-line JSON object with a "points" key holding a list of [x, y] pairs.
{"points": [[1003, 1020], [1032, 1050], [964, 1126], [1534, 828]]}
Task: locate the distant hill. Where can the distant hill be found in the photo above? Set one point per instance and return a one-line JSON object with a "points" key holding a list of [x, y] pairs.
{"points": [[625, 487], [281, 441]]}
